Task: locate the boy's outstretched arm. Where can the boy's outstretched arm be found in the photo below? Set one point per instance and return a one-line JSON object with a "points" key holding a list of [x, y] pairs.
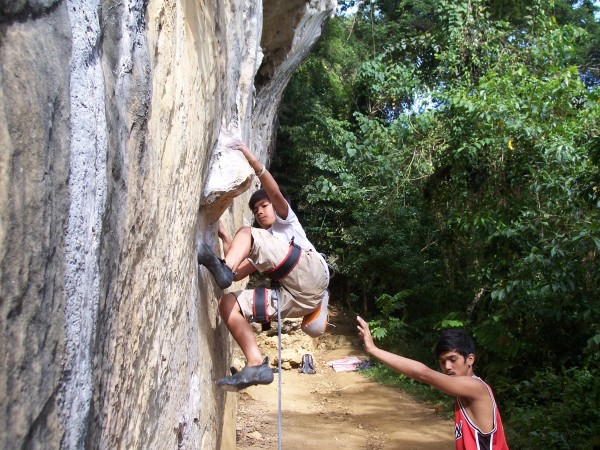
{"points": [[269, 184], [457, 386]]}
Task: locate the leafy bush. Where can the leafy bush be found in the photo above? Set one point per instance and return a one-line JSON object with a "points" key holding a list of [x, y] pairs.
{"points": [[554, 410]]}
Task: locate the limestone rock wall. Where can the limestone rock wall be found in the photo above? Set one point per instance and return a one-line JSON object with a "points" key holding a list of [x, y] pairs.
{"points": [[114, 120]]}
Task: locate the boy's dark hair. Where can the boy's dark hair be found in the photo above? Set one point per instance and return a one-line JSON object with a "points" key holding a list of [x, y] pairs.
{"points": [[454, 340], [261, 194]]}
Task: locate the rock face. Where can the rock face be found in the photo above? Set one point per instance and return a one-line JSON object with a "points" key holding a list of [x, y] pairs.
{"points": [[114, 120]]}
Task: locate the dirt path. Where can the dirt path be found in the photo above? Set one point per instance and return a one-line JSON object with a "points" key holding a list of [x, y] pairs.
{"points": [[335, 410]]}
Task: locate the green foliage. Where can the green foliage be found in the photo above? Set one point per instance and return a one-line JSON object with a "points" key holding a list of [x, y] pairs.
{"points": [[520, 148], [543, 408], [390, 328], [446, 157]]}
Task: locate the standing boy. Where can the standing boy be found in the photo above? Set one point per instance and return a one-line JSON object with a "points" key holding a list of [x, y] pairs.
{"points": [[477, 420], [303, 287]]}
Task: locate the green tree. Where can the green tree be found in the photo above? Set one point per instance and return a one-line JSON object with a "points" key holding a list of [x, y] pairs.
{"points": [[454, 179]]}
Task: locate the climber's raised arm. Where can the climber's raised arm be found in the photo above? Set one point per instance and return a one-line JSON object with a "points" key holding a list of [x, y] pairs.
{"points": [[280, 205]]}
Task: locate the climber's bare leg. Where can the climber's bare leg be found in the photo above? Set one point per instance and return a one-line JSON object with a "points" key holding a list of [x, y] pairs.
{"points": [[239, 249], [240, 329]]}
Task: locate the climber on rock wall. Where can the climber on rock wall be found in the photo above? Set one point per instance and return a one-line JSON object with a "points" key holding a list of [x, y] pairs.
{"points": [[280, 249]]}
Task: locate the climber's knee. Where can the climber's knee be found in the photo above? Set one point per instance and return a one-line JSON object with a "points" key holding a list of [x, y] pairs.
{"points": [[245, 231], [227, 305]]}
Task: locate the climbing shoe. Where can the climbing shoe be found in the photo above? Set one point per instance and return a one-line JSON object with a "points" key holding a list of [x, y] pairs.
{"points": [[222, 274], [248, 376], [308, 364]]}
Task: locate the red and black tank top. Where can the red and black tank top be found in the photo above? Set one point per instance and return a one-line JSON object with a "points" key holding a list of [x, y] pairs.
{"points": [[469, 437]]}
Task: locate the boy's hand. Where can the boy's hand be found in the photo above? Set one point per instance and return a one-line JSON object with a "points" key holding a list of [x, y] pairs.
{"points": [[365, 334], [240, 146], [237, 145]]}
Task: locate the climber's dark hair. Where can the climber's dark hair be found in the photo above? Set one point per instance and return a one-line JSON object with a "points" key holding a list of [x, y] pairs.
{"points": [[261, 194], [454, 340]]}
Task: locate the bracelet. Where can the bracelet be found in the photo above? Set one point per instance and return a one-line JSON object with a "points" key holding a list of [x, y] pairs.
{"points": [[261, 171]]}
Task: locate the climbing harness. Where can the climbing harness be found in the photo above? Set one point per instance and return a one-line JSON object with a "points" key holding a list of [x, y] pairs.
{"points": [[288, 263], [260, 308], [260, 300]]}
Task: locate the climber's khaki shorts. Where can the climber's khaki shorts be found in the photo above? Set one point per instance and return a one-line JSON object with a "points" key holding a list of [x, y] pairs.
{"points": [[301, 290]]}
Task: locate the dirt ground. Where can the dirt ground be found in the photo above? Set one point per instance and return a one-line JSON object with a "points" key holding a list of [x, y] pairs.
{"points": [[334, 410]]}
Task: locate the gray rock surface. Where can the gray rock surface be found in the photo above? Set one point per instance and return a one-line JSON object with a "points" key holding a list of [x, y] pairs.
{"points": [[114, 122]]}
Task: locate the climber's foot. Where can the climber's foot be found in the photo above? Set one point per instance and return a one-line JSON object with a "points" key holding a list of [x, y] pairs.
{"points": [[222, 274], [248, 376]]}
